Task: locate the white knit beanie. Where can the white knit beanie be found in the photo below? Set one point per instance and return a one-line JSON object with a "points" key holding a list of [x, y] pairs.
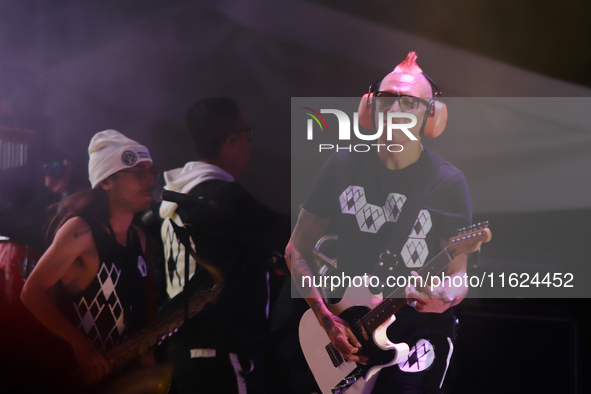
{"points": [[110, 151]]}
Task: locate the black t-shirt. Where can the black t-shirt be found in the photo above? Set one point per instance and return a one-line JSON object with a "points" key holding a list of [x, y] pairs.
{"points": [[363, 199]]}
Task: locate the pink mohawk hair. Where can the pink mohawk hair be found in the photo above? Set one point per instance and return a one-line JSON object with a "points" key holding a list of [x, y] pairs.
{"points": [[409, 65]]}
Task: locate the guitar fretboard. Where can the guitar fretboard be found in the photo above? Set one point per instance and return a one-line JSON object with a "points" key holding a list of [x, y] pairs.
{"points": [[397, 299]]}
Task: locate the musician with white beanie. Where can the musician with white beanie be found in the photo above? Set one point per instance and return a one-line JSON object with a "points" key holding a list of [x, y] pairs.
{"points": [[95, 265]]}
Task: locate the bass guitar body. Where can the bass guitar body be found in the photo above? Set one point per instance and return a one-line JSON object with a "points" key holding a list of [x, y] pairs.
{"points": [[336, 375], [332, 372]]}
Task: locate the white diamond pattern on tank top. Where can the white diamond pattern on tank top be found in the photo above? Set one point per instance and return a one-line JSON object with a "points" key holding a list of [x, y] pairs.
{"points": [[103, 311], [141, 266]]}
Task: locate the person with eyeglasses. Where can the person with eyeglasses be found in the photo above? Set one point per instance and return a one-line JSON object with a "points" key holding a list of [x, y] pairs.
{"points": [[90, 286], [364, 197], [222, 349]]}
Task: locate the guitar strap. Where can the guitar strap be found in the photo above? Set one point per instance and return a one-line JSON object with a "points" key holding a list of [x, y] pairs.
{"points": [[410, 211]]}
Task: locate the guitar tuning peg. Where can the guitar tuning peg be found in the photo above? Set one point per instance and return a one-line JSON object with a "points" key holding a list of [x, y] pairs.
{"points": [[459, 231], [485, 224], [464, 230]]}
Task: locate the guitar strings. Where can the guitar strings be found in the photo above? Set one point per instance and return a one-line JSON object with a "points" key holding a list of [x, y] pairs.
{"points": [[438, 263], [393, 298]]}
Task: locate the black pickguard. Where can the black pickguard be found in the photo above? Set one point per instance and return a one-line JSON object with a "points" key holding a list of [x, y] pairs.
{"points": [[369, 349]]}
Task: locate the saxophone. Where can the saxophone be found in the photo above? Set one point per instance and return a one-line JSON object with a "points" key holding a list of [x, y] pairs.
{"points": [[156, 379]]}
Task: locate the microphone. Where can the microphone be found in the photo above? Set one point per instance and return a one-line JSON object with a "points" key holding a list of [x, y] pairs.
{"points": [[188, 201]]}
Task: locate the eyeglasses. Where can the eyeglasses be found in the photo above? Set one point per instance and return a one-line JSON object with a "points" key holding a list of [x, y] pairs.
{"points": [[249, 133], [385, 101], [142, 172]]}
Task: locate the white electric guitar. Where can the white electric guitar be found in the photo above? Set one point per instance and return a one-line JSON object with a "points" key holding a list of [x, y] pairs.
{"points": [[333, 374]]}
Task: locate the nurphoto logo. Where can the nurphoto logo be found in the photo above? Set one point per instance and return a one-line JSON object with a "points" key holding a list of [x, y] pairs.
{"points": [[344, 133]]}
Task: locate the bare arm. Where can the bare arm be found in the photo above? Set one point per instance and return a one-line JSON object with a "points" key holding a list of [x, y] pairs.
{"points": [[299, 257], [64, 261], [69, 244]]}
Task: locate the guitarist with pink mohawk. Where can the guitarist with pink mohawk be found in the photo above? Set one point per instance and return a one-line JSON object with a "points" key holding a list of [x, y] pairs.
{"points": [[395, 209]]}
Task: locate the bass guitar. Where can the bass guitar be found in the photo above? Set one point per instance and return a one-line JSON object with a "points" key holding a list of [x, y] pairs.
{"points": [[335, 375]]}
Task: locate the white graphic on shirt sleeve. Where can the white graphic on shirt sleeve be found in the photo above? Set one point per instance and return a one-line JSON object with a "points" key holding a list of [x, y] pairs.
{"points": [[105, 310], [415, 251], [420, 357]]}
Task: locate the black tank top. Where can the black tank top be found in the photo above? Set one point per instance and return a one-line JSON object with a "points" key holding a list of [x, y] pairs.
{"points": [[113, 305]]}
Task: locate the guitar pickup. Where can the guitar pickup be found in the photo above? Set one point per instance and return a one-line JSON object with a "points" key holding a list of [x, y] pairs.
{"points": [[335, 356]]}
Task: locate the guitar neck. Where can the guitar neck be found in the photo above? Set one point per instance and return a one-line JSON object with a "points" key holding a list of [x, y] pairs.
{"points": [[468, 241], [397, 299]]}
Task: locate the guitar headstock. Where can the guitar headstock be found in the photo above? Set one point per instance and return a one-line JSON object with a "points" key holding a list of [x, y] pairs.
{"points": [[470, 238]]}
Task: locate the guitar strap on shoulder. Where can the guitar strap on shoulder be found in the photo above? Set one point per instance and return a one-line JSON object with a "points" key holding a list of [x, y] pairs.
{"points": [[410, 211]]}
